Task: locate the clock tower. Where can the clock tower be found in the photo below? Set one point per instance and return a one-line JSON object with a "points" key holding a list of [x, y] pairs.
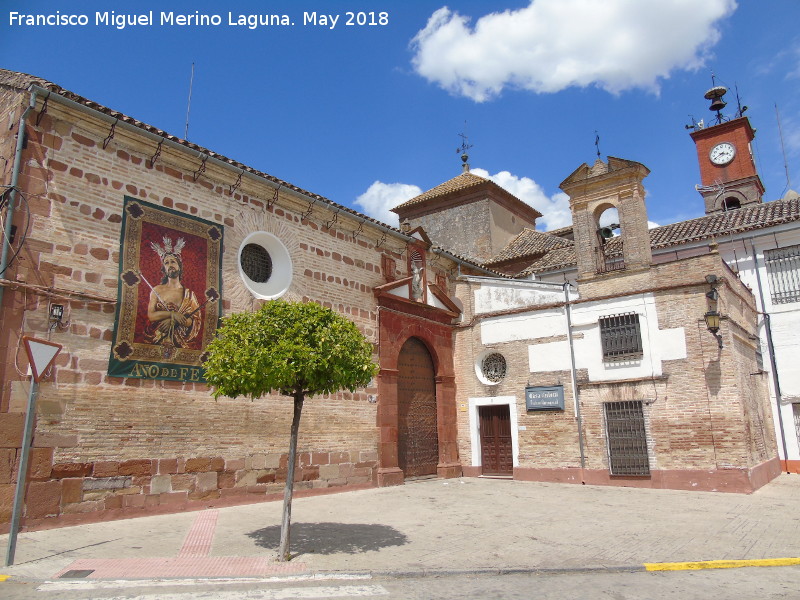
{"points": [[728, 176]]}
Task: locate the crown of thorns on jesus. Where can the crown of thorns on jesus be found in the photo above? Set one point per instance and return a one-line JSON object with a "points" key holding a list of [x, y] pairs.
{"points": [[168, 248]]}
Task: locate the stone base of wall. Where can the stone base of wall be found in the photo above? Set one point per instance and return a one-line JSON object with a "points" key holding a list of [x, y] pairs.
{"points": [[69, 520], [394, 475], [790, 466], [448, 470], [717, 480], [390, 476], [85, 492]]}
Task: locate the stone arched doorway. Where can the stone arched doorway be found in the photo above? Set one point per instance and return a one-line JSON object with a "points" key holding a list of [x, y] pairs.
{"points": [[417, 432]]}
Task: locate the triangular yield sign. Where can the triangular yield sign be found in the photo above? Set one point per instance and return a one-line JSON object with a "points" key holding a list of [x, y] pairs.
{"points": [[41, 355]]}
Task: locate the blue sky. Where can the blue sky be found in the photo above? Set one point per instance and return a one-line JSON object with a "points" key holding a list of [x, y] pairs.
{"points": [[370, 115]]}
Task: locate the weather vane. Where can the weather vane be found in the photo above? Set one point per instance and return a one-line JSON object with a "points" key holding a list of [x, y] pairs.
{"points": [[597, 142], [464, 147]]}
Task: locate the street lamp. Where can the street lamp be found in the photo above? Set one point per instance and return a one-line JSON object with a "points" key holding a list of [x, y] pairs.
{"points": [[712, 323]]}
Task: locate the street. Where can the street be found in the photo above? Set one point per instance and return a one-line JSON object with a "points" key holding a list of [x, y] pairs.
{"points": [[743, 584]]}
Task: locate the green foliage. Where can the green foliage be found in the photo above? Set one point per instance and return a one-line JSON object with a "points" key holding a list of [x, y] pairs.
{"points": [[288, 347]]}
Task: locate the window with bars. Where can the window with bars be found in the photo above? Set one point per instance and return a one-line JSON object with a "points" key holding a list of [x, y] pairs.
{"points": [[783, 270], [796, 413], [621, 337], [626, 438], [609, 256], [759, 357], [256, 263]]}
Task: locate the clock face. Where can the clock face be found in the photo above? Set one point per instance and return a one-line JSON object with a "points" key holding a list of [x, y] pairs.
{"points": [[722, 154]]}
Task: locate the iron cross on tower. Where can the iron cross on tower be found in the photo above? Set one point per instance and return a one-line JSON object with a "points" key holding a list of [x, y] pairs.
{"points": [[463, 148]]}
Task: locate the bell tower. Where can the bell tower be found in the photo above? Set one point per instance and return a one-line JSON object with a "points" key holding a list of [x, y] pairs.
{"points": [[592, 190], [728, 176]]}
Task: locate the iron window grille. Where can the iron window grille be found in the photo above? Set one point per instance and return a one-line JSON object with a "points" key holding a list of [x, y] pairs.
{"points": [[783, 270], [626, 438], [256, 263], [621, 337], [796, 413], [610, 256], [494, 367], [759, 357]]}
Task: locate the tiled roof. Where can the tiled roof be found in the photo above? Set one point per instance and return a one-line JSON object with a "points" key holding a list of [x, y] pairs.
{"points": [[462, 182], [530, 243], [22, 81], [556, 259], [561, 231], [469, 261], [757, 216], [741, 220]]}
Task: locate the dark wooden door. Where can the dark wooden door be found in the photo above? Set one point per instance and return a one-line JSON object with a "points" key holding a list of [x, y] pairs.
{"points": [[418, 439], [496, 451]]}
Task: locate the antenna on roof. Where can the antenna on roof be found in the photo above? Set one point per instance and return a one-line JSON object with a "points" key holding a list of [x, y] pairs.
{"points": [[740, 112], [783, 149], [189, 105], [463, 148]]}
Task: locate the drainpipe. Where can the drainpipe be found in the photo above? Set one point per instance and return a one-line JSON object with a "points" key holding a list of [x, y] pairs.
{"points": [[771, 349], [12, 198], [574, 377]]}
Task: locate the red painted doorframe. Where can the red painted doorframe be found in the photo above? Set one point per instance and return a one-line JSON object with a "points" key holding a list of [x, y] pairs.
{"points": [[400, 319]]}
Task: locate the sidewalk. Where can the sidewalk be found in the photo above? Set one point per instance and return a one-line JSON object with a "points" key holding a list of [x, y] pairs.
{"points": [[434, 525]]}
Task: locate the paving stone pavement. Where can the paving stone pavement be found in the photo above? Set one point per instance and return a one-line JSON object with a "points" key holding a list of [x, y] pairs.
{"points": [[467, 524]]}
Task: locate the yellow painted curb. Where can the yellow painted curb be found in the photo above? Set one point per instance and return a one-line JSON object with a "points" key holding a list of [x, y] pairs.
{"points": [[4, 577], [722, 564]]}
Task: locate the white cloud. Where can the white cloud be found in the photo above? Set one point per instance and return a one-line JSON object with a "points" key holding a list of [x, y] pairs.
{"points": [[551, 45], [380, 197], [555, 209]]}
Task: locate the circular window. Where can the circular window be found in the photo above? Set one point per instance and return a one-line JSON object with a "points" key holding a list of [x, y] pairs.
{"points": [[256, 263], [492, 368], [265, 265]]}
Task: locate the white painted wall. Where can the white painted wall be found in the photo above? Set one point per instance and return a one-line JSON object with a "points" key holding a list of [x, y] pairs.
{"points": [[658, 345], [496, 294], [785, 320]]}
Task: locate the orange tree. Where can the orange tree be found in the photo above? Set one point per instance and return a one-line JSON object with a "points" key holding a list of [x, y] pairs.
{"points": [[291, 348]]}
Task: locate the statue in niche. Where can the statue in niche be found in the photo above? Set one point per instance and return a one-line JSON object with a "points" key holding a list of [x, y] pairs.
{"points": [[416, 282]]}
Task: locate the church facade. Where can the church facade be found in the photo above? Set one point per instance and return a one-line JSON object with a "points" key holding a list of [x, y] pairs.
{"points": [[125, 245]]}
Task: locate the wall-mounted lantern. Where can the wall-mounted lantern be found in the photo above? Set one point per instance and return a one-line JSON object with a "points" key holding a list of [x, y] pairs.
{"points": [[712, 316], [712, 323]]}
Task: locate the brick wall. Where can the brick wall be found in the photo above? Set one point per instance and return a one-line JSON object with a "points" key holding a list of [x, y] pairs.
{"points": [[105, 443], [708, 418]]}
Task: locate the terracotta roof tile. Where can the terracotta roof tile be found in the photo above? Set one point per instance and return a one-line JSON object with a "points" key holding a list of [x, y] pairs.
{"points": [[530, 243], [464, 181], [747, 218], [555, 259], [757, 216], [561, 231]]}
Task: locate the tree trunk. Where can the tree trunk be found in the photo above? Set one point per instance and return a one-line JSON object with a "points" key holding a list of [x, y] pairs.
{"points": [[283, 551]]}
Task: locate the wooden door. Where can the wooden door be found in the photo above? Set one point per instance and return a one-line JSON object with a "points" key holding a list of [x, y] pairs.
{"points": [[495, 431], [418, 439]]}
